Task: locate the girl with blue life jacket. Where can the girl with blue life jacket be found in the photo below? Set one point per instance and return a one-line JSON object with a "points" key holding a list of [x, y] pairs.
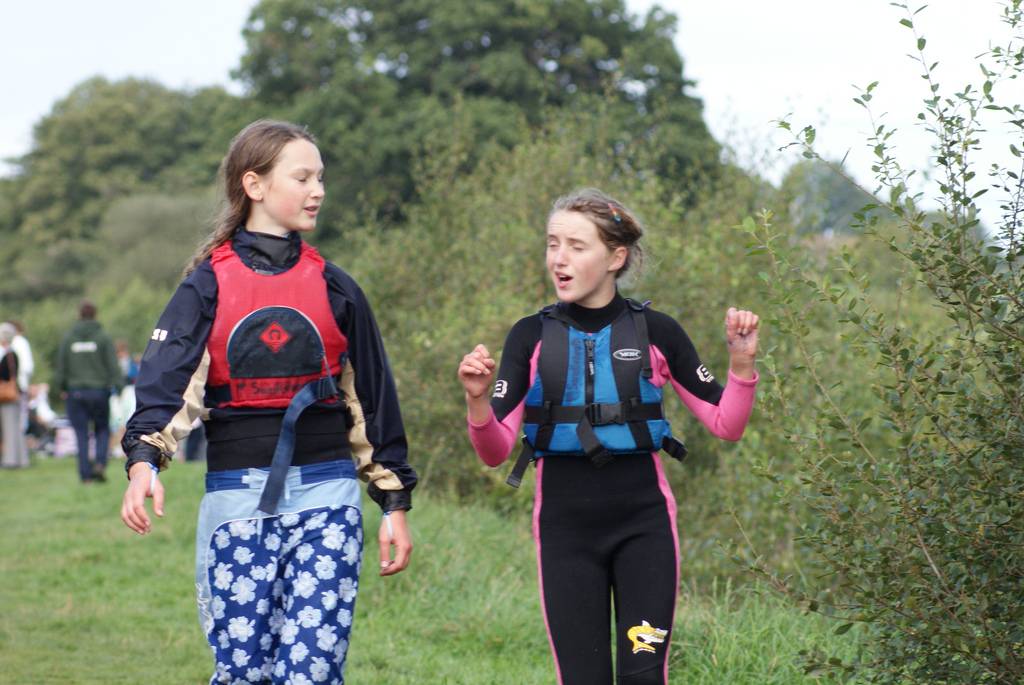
{"points": [[584, 379], [279, 354]]}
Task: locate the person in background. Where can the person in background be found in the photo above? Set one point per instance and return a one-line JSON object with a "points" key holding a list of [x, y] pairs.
{"points": [[41, 434], [122, 405], [126, 362], [86, 374], [26, 367], [15, 451], [195, 444]]}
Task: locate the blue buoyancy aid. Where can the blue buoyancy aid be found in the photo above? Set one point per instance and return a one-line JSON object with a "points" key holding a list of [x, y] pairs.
{"points": [[593, 393]]}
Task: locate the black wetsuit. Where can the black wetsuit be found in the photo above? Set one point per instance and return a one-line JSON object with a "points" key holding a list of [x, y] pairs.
{"points": [[606, 537]]}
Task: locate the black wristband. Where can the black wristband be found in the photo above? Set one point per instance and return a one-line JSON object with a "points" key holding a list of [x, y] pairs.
{"points": [[144, 452], [390, 500]]}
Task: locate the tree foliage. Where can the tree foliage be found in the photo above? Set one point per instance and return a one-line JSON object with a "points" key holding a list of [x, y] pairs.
{"points": [[821, 199], [108, 140], [101, 144], [917, 498], [377, 80]]}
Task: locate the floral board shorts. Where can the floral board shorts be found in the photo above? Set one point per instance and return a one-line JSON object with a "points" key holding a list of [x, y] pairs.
{"points": [[277, 593]]}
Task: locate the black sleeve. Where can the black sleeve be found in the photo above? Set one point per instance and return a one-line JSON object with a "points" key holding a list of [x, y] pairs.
{"points": [[378, 438], [683, 362], [173, 356], [513, 379]]}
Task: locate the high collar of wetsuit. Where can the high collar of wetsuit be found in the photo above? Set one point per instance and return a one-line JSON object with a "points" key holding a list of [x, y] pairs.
{"points": [[266, 253], [594, 319]]}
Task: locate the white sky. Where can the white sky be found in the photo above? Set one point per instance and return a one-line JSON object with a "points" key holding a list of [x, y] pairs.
{"points": [[753, 62]]}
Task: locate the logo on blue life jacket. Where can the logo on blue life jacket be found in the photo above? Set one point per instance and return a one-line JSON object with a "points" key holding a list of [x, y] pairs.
{"points": [[627, 354]]}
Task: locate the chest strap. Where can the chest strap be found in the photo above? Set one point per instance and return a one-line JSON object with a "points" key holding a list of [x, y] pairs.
{"points": [[596, 414]]}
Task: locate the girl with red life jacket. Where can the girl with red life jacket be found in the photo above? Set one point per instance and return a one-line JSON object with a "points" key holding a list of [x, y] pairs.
{"points": [[279, 354], [584, 378]]}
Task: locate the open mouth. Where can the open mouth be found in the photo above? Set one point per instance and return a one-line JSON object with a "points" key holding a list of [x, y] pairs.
{"points": [[562, 280]]}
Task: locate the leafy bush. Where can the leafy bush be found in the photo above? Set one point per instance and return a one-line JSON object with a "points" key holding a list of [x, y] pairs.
{"points": [[916, 493]]}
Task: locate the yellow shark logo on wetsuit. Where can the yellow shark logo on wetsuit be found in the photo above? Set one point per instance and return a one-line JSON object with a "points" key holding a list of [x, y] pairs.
{"points": [[642, 636]]}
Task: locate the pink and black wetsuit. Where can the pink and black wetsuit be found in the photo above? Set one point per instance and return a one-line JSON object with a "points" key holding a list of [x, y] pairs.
{"points": [[607, 536]]}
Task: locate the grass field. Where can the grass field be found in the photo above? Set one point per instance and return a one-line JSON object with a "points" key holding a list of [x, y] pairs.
{"points": [[85, 601]]}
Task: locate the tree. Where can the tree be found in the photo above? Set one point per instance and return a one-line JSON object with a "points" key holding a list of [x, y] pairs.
{"points": [[105, 141], [377, 80], [916, 496], [822, 199]]}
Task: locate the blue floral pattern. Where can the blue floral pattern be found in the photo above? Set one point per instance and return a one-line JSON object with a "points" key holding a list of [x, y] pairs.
{"points": [[283, 592]]}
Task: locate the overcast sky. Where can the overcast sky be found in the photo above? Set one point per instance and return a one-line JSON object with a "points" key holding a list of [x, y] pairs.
{"points": [[753, 62]]}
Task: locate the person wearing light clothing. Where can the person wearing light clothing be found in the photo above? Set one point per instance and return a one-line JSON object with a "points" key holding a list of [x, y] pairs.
{"points": [[15, 451]]}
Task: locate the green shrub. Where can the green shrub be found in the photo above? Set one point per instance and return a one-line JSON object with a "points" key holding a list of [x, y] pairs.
{"points": [[916, 493]]}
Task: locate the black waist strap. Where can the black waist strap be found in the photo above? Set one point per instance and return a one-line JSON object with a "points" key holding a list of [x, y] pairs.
{"points": [[597, 414], [674, 448], [515, 477]]}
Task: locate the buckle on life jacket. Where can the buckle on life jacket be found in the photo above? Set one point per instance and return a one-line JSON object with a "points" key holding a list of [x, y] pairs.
{"points": [[604, 414]]}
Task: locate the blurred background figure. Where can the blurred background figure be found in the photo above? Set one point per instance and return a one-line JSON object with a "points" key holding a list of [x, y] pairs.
{"points": [[195, 444], [122, 405], [87, 373], [15, 451], [42, 420], [26, 367]]}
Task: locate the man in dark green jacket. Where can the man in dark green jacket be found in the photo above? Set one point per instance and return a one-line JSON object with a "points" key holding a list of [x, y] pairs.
{"points": [[87, 373]]}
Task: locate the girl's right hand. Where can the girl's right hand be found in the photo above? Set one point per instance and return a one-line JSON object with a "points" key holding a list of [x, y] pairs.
{"points": [[476, 372], [142, 485]]}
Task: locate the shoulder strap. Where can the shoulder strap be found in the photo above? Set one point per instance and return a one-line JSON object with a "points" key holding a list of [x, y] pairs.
{"points": [[553, 366], [627, 334], [636, 311]]}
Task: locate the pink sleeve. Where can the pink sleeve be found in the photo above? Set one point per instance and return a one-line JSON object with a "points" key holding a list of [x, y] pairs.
{"points": [[728, 418], [493, 440]]}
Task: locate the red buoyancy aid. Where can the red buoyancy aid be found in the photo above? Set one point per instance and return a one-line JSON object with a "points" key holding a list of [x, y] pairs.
{"points": [[272, 334]]}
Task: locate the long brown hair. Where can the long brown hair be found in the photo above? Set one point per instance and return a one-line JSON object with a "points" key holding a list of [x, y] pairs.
{"points": [[255, 148], [617, 225]]}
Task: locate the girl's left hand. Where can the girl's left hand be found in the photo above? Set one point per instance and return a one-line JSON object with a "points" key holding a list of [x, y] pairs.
{"points": [[741, 334], [396, 534]]}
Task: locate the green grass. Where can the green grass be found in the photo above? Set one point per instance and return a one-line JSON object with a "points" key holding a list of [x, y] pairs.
{"points": [[85, 600]]}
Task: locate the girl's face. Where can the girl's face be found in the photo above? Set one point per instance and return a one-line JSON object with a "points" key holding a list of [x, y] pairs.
{"points": [[289, 197], [582, 267]]}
